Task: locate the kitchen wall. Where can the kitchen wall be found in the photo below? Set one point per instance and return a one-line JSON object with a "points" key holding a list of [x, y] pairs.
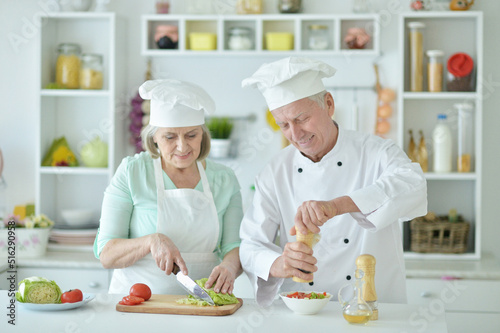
{"points": [[254, 142]]}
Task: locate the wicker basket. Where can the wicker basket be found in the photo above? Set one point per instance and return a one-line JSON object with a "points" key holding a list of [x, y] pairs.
{"points": [[439, 235]]}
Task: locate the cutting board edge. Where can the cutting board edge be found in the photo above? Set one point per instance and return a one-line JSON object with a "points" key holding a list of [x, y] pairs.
{"points": [[185, 311]]}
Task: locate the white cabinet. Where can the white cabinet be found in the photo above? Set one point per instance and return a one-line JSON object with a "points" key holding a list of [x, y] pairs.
{"points": [[450, 32], [465, 302], [296, 24], [77, 114]]}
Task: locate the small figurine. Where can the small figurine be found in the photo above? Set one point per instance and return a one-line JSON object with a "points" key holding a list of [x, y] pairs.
{"points": [[417, 5], [356, 38], [461, 4]]}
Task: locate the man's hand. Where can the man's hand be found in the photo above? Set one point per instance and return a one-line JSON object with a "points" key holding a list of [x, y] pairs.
{"points": [[296, 257], [313, 214]]}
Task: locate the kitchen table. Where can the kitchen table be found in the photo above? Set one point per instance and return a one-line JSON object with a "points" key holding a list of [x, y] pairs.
{"points": [[100, 315]]}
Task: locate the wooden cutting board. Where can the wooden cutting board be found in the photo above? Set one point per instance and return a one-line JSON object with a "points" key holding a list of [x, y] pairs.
{"points": [[167, 304]]}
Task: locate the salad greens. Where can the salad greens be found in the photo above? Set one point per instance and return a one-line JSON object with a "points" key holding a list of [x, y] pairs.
{"points": [[218, 298], [38, 290]]}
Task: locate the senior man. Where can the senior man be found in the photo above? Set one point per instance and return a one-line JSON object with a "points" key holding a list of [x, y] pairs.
{"points": [[352, 188]]}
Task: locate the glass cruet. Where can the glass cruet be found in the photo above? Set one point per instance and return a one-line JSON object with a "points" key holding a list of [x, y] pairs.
{"points": [[355, 310]]}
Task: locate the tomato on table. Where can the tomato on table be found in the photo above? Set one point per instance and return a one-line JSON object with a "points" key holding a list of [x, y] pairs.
{"points": [[72, 296], [141, 290]]}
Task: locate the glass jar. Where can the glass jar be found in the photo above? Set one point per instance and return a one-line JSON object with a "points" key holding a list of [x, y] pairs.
{"points": [[460, 67], [240, 38], [249, 7], [68, 66], [465, 137], [318, 37], [435, 70], [416, 56], [91, 71], [289, 6]]}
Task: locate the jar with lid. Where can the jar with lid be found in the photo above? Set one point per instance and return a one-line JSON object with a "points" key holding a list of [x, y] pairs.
{"points": [[249, 7], [416, 56], [289, 6], [435, 70], [318, 37], [240, 38], [91, 72], [460, 66], [465, 137], [68, 66]]}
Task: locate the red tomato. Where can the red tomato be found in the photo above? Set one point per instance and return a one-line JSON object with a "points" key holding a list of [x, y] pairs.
{"points": [[131, 300], [141, 290], [72, 296]]}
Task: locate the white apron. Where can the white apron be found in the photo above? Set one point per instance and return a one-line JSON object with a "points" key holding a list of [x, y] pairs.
{"points": [[189, 218]]}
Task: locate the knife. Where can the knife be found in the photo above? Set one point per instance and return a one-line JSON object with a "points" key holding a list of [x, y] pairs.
{"points": [[191, 287]]}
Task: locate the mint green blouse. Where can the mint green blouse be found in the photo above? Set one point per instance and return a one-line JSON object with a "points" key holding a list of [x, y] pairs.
{"points": [[129, 204]]}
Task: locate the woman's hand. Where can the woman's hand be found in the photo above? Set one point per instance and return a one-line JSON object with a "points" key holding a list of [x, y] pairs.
{"points": [[226, 273], [165, 253]]}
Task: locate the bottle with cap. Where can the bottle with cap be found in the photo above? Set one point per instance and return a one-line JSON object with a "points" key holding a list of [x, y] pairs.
{"points": [[416, 56], [442, 145], [460, 66], [435, 70], [465, 137]]}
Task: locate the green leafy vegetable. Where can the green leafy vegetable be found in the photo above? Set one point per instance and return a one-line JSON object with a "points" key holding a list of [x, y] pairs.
{"points": [[218, 298], [38, 290]]}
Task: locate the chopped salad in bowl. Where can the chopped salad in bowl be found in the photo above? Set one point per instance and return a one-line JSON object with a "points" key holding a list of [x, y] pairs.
{"points": [[305, 302]]}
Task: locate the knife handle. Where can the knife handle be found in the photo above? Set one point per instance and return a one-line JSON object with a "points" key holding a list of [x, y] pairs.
{"points": [[176, 269]]}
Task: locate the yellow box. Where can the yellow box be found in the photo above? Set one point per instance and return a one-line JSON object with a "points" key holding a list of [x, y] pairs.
{"points": [[202, 41], [279, 41]]}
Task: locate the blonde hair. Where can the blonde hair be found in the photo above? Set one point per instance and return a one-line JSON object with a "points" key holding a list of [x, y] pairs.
{"points": [[150, 146]]}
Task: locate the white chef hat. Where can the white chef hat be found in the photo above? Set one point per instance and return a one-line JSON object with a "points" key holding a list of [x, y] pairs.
{"points": [[176, 103], [288, 80]]}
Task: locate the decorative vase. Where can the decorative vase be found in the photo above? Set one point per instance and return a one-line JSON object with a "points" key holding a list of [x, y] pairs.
{"points": [[220, 148], [29, 243]]}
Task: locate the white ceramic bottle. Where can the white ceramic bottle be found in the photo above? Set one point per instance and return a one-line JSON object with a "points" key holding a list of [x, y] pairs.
{"points": [[442, 145]]}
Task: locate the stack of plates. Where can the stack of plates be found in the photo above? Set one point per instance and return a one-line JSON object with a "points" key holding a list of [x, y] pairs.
{"points": [[73, 236]]}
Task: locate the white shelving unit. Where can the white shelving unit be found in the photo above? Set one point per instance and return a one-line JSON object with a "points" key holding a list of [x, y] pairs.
{"points": [[77, 114], [451, 32], [260, 25]]}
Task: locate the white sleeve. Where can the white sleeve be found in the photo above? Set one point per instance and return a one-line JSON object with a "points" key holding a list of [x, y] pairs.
{"points": [[398, 194], [257, 250]]}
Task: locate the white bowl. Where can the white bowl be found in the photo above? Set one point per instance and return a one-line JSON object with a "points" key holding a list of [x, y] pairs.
{"points": [[305, 306], [77, 216]]}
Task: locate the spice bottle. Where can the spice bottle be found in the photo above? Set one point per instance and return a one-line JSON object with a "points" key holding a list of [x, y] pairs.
{"points": [[465, 137], [416, 56], [68, 65], [91, 72], [460, 66], [318, 37], [435, 70], [442, 145]]}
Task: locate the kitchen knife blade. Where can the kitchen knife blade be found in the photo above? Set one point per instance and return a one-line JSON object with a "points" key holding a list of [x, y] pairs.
{"points": [[192, 287]]}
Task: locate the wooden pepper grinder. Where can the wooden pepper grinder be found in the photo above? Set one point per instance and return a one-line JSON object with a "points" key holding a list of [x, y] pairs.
{"points": [[366, 263]]}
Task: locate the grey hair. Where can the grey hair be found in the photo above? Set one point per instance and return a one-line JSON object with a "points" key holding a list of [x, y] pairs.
{"points": [[150, 146], [319, 98]]}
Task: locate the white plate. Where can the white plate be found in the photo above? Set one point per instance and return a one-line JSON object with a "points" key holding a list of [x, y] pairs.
{"points": [[58, 307]]}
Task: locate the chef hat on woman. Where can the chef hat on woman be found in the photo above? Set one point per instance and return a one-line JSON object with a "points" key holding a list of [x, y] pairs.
{"points": [[288, 80], [176, 103]]}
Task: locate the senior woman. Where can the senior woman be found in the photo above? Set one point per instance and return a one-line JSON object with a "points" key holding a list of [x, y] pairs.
{"points": [[169, 206]]}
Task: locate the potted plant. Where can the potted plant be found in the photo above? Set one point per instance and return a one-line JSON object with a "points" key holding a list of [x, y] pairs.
{"points": [[28, 237], [220, 129]]}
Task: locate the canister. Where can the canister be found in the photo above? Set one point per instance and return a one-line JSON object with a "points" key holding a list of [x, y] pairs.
{"points": [[460, 67], [318, 37], [240, 38], [465, 136], [68, 65], [91, 71], [416, 56], [435, 70]]}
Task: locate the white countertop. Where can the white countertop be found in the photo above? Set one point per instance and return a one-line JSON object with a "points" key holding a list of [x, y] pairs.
{"points": [[100, 315]]}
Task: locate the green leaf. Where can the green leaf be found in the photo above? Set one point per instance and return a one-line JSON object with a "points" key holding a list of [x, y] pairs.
{"points": [[38, 290]]}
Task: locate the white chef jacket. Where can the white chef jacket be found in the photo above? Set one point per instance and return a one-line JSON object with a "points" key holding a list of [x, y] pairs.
{"points": [[381, 180]]}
